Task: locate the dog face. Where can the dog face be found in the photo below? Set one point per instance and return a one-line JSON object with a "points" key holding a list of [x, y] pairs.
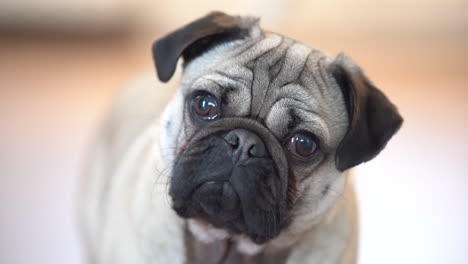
{"points": [[262, 127]]}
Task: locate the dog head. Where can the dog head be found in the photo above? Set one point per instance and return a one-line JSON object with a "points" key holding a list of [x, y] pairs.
{"points": [[263, 127]]}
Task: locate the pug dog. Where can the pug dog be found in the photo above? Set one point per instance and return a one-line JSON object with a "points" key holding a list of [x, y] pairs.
{"points": [[250, 160]]}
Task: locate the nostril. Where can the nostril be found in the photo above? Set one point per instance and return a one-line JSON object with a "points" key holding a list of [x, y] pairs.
{"points": [[244, 144], [257, 150], [233, 141], [253, 151]]}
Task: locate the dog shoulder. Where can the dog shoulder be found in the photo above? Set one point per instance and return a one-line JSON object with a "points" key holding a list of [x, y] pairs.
{"points": [[123, 154]]}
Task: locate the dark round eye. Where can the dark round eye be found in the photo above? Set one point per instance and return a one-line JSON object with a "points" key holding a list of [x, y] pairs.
{"points": [[302, 145], [205, 106]]}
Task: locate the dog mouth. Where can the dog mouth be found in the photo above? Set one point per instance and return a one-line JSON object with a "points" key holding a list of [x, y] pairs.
{"points": [[232, 184], [219, 204], [239, 198], [218, 200], [214, 202]]}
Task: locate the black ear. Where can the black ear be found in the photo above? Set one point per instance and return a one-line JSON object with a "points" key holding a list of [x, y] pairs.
{"points": [[373, 119], [195, 38]]}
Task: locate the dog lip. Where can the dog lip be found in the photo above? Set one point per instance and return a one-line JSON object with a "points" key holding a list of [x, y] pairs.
{"points": [[218, 199]]}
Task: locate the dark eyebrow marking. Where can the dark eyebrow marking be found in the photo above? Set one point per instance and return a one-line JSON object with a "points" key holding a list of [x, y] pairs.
{"points": [[294, 121], [216, 82], [226, 91], [326, 189], [296, 107]]}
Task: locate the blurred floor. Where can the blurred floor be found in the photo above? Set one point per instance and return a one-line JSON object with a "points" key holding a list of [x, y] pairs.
{"points": [[413, 196]]}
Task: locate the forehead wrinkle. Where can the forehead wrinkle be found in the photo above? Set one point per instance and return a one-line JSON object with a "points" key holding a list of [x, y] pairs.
{"points": [[295, 91], [261, 82], [309, 78], [224, 80], [231, 78], [295, 59], [294, 62], [317, 75], [258, 64], [263, 67], [260, 48], [296, 103]]}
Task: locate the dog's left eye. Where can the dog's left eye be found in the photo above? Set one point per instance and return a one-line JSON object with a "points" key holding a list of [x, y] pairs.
{"points": [[302, 145], [206, 107]]}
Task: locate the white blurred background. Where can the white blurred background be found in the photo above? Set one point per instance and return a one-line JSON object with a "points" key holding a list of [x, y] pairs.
{"points": [[62, 61]]}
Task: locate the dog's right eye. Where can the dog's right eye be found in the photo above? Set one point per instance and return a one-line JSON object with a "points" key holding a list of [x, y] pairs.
{"points": [[303, 145], [206, 107]]}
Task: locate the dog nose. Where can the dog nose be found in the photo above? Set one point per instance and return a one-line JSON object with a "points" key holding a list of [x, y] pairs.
{"points": [[245, 144]]}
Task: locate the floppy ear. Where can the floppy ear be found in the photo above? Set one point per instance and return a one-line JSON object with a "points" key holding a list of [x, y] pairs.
{"points": [[373, 119], [195, 38]]}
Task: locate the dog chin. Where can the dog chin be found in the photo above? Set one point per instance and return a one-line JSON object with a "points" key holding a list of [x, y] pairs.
{"points": [[207, 233]]}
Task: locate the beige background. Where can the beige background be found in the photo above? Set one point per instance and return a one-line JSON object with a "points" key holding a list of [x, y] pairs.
{"points": [[62, 61]]}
